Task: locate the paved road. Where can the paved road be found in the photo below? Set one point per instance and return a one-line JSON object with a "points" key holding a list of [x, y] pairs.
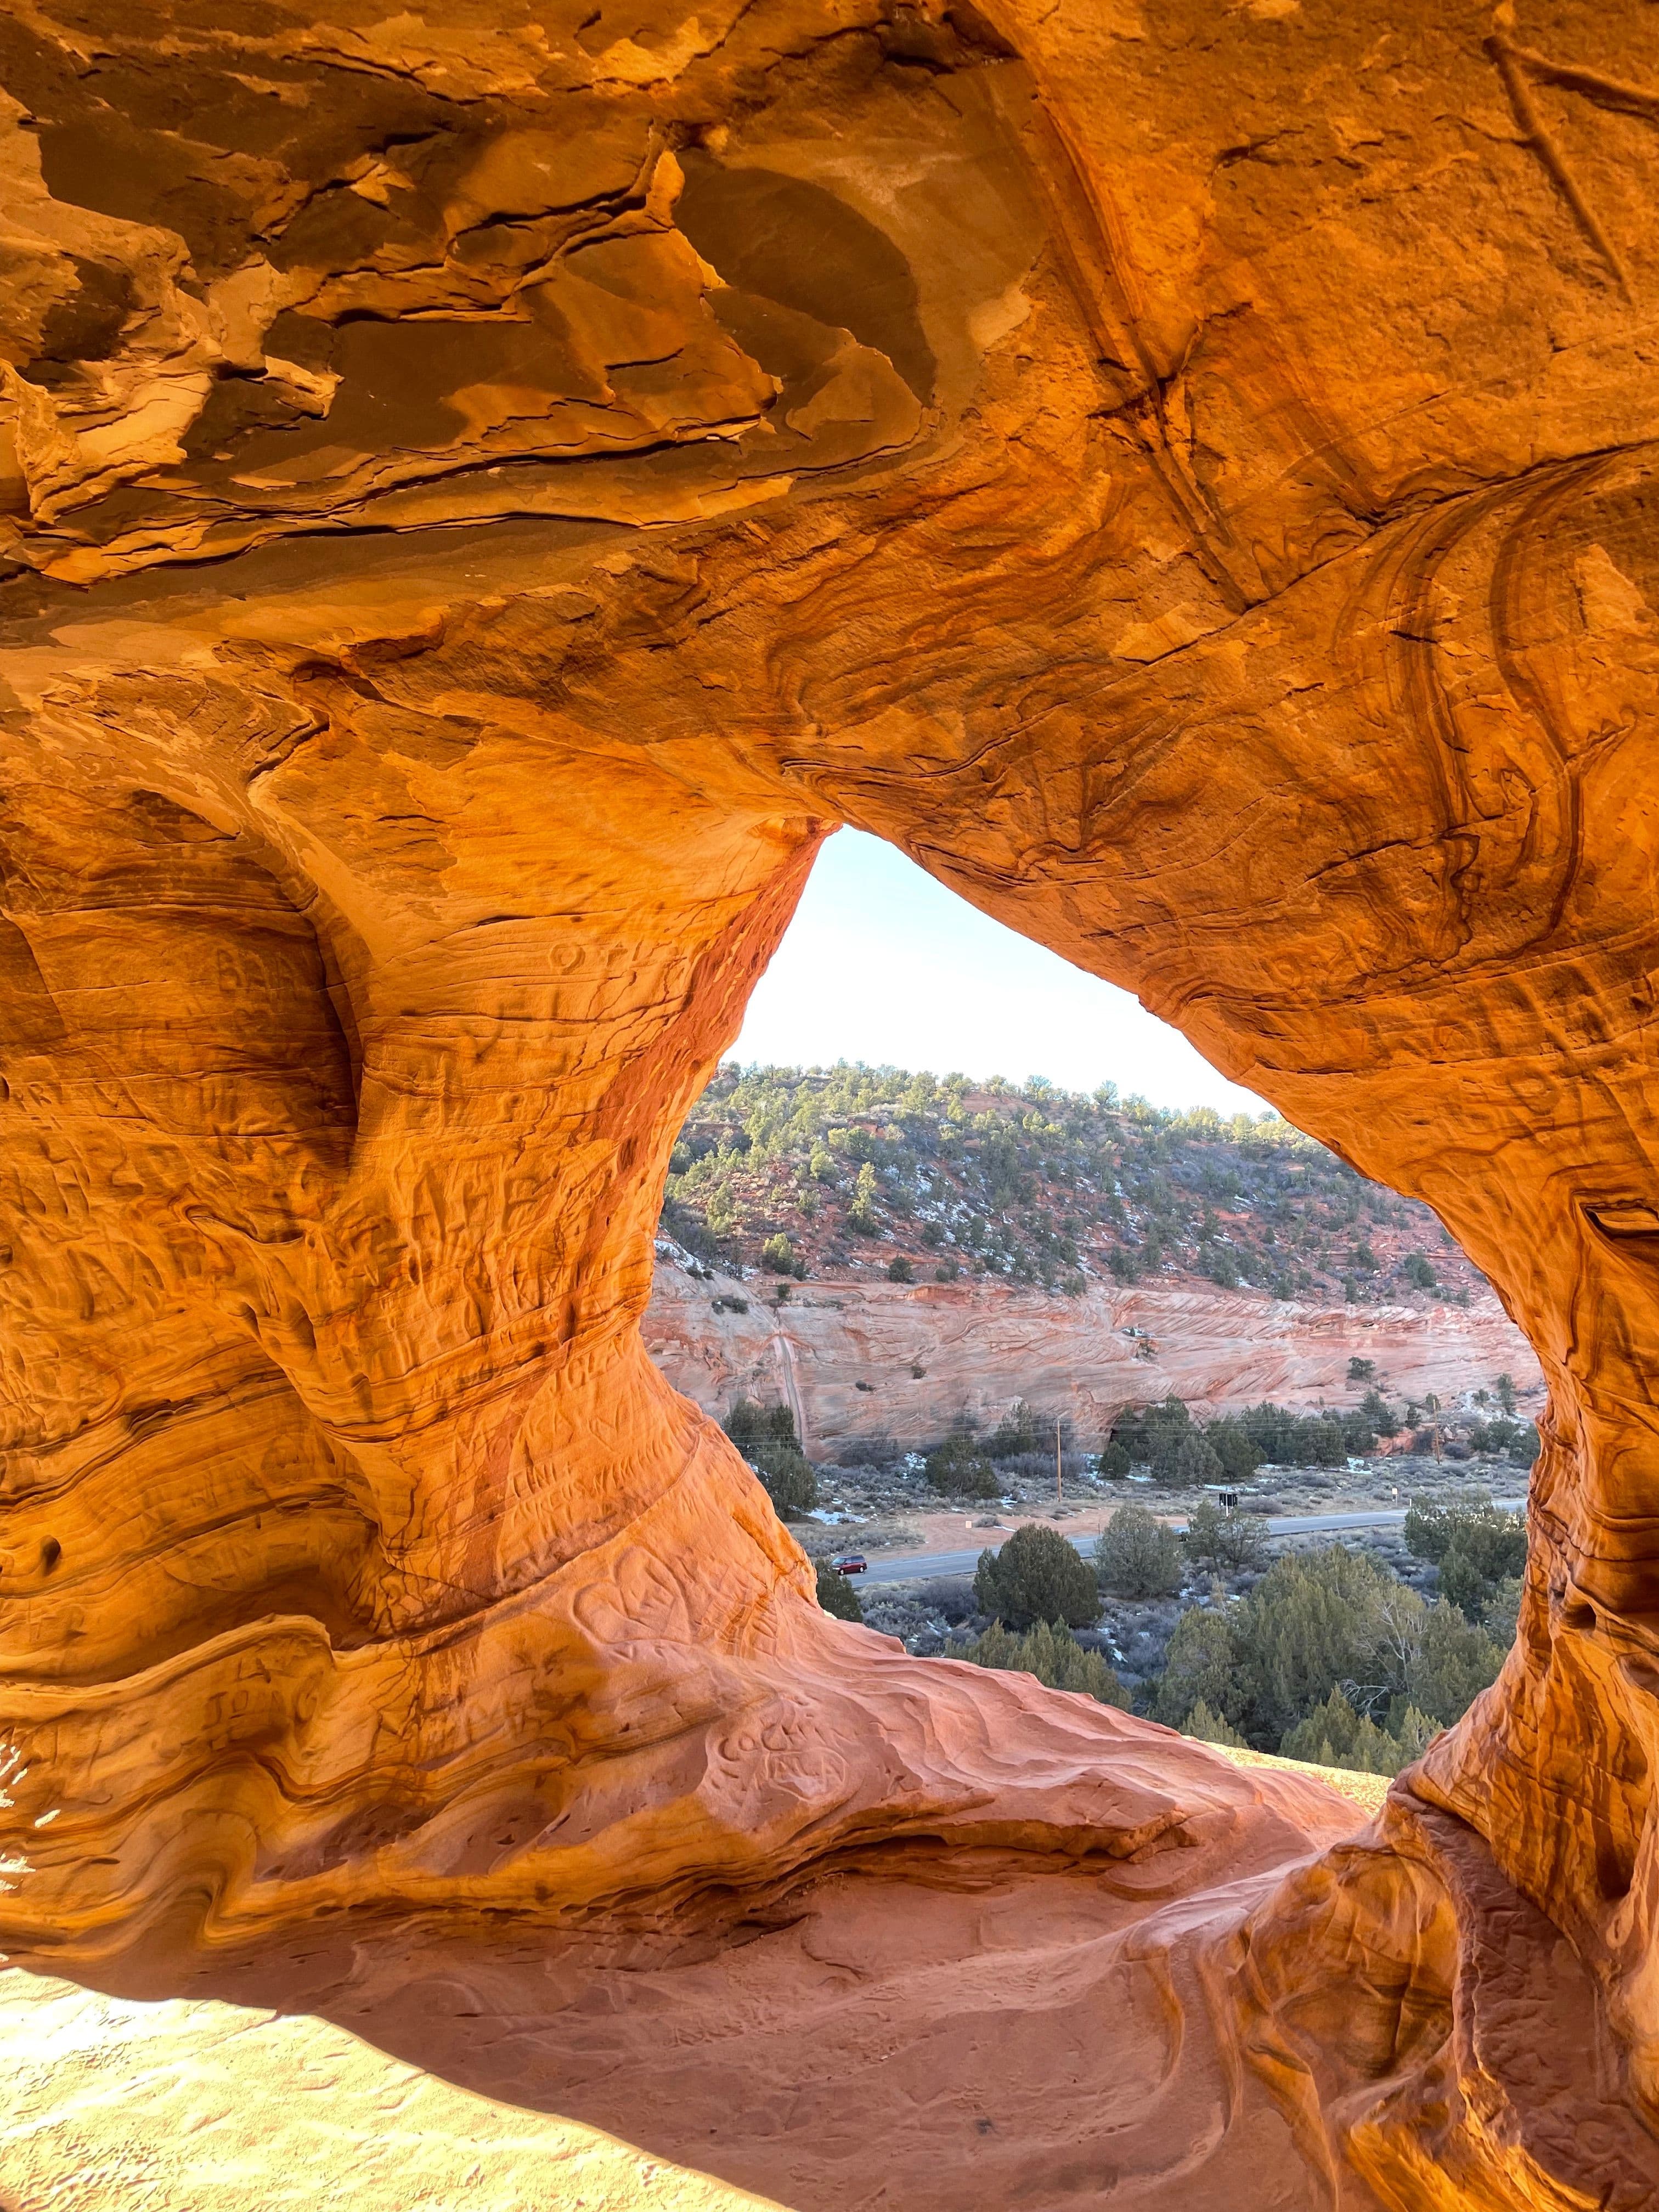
{"points": [[923, 1566]]}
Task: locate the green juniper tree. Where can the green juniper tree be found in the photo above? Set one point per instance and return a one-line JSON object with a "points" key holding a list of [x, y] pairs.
{"points": [[1230, 1542], [765, 1435], [1210, 1728], [1203, 1668], [837, 1595], [1036, 1576], [1052, 1653], [1316, 1622], [1475, 1546], [1136, 1556], [960, 1469]]}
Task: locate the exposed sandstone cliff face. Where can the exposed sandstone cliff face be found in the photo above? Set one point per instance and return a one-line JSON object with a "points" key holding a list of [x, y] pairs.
{"points": [[485, 490], [861, 1359]]}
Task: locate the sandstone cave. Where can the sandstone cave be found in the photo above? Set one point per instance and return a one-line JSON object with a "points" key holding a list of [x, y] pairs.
{"points": [[485, 491]]}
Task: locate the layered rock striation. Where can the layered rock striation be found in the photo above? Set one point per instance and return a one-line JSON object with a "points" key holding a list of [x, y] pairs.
{"points": [[855, 1359], [485, 491]]}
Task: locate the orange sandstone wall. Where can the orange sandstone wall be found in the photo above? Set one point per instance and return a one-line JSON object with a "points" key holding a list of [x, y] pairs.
{"points": [[483, 491]]}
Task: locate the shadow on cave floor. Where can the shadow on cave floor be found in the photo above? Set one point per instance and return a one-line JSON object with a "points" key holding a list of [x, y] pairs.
{"points": [[1020, 2043]]}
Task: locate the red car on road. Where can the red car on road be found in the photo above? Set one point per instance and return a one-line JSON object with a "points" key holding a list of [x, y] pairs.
{"points": [[849, 1562]]}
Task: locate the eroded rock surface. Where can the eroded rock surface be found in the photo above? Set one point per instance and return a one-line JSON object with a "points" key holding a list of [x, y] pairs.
{"points": [[486, 489]]}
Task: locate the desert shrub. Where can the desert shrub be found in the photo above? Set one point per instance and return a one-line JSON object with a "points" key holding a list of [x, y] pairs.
{"points": [[722, 1211], [1498, 1435], [1214, 1538], [765, 1435], [1274, 1430], [1036, 1576], [1472, 1569], [694, 1236], [868, 1451], [951, 1595], [1362, 1370], [960, 1469], [1420, 1271], [1359, 1435], [1177, 1452], [778, 1255], [1052, 1653], [1164, 1425], [837, 1595], [1124, 1264], [861, 1214], [1323, 1442], [1137, 1556], [899, 1270], [1210, 1728], [1113, 1463]]}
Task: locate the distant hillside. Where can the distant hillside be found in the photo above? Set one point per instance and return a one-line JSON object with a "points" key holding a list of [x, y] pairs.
{"points": [[850, 1167]]}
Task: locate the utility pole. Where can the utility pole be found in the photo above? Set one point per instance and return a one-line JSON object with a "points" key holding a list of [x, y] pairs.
{"points": [[1060, 1487]]}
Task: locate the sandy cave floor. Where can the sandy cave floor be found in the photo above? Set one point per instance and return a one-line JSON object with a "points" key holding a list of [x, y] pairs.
{"points": [[870, 2045], [981, 2033]]}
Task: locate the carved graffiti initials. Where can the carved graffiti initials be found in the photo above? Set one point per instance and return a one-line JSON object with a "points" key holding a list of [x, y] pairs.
{"points": [[1522, 68]]}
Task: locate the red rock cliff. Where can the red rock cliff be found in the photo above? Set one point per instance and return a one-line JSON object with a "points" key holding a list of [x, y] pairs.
{"points": [[856, 1357]]}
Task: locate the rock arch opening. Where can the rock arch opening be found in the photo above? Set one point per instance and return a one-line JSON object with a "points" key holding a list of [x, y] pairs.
{"points": [[1303, 692]]}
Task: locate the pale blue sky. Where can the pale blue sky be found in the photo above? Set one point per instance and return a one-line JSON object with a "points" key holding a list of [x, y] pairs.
{"points": [[883, 964]]}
